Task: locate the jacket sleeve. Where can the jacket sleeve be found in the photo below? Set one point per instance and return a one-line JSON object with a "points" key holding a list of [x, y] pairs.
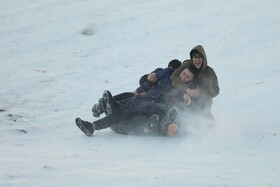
{"points": [[144, 83], [162, 74], [147, 85], [143, 79], [209, 87], [140, 90]]}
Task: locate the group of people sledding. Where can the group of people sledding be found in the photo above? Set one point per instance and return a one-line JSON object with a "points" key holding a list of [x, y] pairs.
{"points": [[182, 88]]}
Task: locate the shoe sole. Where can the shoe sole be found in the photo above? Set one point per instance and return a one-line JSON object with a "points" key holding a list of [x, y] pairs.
{"points": [[102, 105], [81, 126], [172, 129], [106, 99], [153, 121], [173, 113]]}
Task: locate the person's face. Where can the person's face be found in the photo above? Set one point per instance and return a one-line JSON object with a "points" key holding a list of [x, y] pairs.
{"points": [[186, 75], [197, 61]]}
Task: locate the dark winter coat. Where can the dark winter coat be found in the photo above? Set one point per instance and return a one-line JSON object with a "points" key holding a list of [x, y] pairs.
{"points": [[156, 89], [145, 85], [207, 80]]}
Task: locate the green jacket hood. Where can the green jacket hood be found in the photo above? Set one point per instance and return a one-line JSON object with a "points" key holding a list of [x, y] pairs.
{"points": [[200, 49]]}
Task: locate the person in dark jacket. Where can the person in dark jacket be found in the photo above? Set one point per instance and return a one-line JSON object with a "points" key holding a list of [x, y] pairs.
{"points": [[151, 85], [140, 106], [160, 82]]}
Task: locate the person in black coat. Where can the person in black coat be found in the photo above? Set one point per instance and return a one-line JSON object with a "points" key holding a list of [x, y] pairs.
{"points": [[140, 105], [151, 85]]}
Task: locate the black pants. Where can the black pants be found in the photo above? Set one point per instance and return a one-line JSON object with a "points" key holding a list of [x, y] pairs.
{"points": [[136, 106], [123, 97]]}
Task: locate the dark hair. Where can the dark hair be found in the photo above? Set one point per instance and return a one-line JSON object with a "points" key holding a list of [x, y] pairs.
{"points": [[192, 69], [195, 53], [174, 63]]}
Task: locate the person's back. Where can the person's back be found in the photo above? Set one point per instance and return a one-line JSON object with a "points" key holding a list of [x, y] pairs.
{"points": [[162, 85], [163, 82]]}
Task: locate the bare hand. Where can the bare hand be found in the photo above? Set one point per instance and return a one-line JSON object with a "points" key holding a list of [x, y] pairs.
{"points": [[152, 77], [187, 99], [193, 92]]}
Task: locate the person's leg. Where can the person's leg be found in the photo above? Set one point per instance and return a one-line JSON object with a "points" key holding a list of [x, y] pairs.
{"points": [[84, 126], [117, 100], [100, 107], [121, 98], [137, 106], [166, 124]]}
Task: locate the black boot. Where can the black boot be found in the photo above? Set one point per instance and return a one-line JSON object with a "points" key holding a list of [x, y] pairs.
{"points": [[102, 105], [172, 113], [153, 121], [86, 127], [110, 103], [152, 125]]}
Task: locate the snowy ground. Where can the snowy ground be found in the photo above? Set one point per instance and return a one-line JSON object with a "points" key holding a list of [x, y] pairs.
{"points": [[57, 57]]}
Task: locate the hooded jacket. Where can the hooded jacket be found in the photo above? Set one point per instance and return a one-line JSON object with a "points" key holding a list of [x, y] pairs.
{"points": [[206, 77]]}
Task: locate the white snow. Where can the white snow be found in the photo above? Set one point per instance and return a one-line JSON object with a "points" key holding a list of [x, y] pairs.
{"points": [[57, 58]]}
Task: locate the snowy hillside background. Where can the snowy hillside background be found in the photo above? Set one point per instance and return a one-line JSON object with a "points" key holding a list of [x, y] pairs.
{"points": [[57, 57]]}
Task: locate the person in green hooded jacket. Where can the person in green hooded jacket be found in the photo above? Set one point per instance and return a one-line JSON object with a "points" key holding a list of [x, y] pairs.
{"points": [[208, 86]]}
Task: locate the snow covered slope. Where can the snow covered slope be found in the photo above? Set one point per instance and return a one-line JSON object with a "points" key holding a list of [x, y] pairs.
{"points": [[57, 57]]}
